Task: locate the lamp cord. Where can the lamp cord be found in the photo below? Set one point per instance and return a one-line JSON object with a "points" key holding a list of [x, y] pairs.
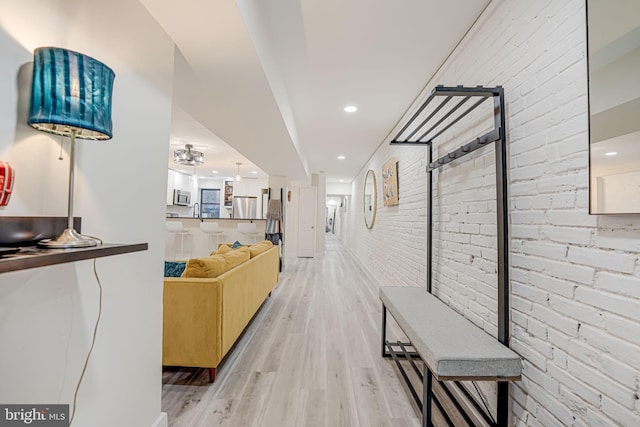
{"points": [[93, 342], [60, 155]]}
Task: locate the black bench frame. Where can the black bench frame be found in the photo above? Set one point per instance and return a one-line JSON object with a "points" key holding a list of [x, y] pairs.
{"points": [[454, 390], [407, 136]]}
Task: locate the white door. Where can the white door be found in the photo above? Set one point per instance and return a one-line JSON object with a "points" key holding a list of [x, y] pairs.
{"points": [[307, 222]]}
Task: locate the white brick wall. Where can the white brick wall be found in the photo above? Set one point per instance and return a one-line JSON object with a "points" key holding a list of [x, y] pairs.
{"points": [[575, 278], [394, 249]]}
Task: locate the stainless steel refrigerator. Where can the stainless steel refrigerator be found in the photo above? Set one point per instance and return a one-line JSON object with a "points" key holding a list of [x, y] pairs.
{"points": [[245, 207]]}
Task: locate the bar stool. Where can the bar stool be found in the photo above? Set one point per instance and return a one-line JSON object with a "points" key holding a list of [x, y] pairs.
{"points": [[211, 229], [176, 228], [248, 229]]}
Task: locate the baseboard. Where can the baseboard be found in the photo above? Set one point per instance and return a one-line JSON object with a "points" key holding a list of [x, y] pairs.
{"points": [[162, 420], [364, 268]]}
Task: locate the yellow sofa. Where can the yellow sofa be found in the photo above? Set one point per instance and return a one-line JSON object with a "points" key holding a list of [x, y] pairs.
{"points": [[203, 317]]}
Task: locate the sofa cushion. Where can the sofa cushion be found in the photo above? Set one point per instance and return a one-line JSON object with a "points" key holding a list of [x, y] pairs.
{"points": [[213, 266], [226, 247], [222, 249], [260, 247], [174, 268]]}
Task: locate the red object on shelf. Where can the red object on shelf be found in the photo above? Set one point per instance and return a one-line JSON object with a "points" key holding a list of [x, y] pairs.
{"points": [[7, 176]]}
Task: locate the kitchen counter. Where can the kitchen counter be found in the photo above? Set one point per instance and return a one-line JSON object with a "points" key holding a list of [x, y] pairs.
{"points": [[198, 244], [217, 219]]}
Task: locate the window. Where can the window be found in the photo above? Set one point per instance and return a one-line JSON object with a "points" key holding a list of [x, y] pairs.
{"points": [[210, 203]]}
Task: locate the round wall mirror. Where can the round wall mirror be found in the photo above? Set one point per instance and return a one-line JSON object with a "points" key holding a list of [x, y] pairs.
{"points": [[370, 199]]}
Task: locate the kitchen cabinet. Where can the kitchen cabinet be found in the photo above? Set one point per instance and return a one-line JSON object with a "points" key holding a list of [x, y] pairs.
{"points": [[228, 193], [180, 181]]}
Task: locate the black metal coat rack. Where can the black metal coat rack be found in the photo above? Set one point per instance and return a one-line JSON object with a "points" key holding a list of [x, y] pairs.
{"points": [[435, 123]]}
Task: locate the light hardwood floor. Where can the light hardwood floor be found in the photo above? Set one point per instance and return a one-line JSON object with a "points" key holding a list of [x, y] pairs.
{"points": [[311, 357]]}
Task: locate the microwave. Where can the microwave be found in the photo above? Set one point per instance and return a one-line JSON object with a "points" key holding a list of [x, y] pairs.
{"points": [[181, 198]]}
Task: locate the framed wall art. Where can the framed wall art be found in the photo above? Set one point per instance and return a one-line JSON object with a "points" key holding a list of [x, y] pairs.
{"points": [[390, 183]]}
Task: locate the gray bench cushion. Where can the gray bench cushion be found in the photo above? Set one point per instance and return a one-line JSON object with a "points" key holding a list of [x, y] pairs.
{"points": [[450, 345]]}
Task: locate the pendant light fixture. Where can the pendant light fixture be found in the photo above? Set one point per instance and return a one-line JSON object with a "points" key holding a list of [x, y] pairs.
{"points": [[188, 156], [238, 177]]}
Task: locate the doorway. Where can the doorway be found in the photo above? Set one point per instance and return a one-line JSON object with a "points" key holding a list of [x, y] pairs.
{"points": [[307, 212]]}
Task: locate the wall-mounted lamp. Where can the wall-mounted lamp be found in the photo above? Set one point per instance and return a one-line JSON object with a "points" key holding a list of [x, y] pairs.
{"points": [[71, 96]]}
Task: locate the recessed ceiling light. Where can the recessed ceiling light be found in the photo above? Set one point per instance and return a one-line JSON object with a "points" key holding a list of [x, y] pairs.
{"points": [[350, 108], [342, 180], [341, 157], [214, 171], [611, 153], [254, 172]]}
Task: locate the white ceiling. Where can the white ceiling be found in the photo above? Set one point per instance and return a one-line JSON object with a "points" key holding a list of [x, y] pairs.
{"points": [[617, 153], [219, 158], [271, 78]]}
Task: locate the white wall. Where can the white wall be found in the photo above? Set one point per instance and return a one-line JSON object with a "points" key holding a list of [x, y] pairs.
{"points": [[292, 208], [250, 187], [615, 83], [47, 314], [211, 183], [575, 278], [181, 181], [342, 216], [320, 182], [333, 212], [400, 230], [291, 227], [339, 188]]}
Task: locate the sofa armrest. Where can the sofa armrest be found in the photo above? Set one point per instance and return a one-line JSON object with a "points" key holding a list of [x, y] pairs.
{"points": [[192, 322]]}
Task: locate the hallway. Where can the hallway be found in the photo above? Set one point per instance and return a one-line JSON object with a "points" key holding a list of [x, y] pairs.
{"points": [[311, 357]]}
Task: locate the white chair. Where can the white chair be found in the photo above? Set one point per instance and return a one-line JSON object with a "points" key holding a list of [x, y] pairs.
{"points": [[174, 229], [211, 229], [248, 229]]}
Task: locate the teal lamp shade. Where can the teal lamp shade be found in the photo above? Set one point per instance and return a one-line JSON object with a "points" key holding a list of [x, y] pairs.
{"points": [[71, 92], [70, 96]]}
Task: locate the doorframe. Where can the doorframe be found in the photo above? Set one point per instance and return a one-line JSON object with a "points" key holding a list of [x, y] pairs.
{"points": [[301, 210]]}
